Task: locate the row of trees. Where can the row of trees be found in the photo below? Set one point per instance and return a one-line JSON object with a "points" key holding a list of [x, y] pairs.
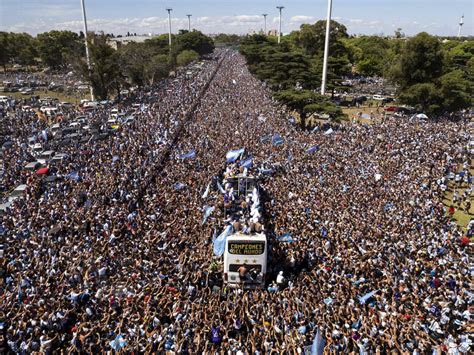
{"points": [[55, 49], [293, 68], [141, 64], [431, 74], [132, 64]]}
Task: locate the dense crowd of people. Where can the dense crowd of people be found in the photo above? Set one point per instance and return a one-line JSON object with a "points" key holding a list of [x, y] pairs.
{"points": [[117, 257]]}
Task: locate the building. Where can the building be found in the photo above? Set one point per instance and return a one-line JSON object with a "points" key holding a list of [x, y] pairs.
{"points": [[117, 42]]}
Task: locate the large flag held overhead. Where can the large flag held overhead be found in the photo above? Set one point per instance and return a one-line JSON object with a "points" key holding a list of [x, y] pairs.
{"points": [[365, 297], [285, 238], [219, 242], [233, 155], [207, 212], [206, 193], [118, 343], [221, 189], [313, 149], [318, 344], [247, 163], [277, 139], [189, 155]]}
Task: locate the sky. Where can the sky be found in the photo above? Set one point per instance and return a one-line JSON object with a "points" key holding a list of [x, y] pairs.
{"points": [[439, 17]]}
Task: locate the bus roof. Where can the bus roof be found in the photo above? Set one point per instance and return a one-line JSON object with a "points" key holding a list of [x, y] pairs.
{"points": [[247, 237]]}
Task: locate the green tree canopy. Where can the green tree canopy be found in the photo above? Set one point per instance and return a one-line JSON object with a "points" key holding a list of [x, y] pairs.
{"points": [[420, 61], [56, 48], [186, 57]]}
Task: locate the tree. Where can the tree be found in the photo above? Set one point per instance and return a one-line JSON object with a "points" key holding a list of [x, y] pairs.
{"points": [[369, 54], [56, 48], [5, 54], [421, 61], [306, 102], [186, 57], [455, 91], [194, 40], [399, 34], [105, 74], [423, 96], [283, 69], [21, 48], [311, 37]]}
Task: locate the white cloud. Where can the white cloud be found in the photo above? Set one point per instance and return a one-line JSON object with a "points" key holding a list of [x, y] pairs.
{"points": [[302, 18]]}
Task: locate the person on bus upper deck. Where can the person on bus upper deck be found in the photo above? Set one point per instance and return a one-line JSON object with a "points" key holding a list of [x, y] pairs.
{"points": [[243, 272]]}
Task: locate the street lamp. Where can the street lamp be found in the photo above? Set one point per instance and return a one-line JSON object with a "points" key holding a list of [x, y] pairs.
{"points": [[265, 23], [189, 22], [169, 26], [88, 59], [279, 26], [326, 49]]}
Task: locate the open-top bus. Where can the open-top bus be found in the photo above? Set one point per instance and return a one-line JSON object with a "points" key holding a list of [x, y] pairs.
{"points": [[246, 248]]}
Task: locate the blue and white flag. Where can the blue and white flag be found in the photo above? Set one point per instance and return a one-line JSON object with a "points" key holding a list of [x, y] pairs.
{"points": [[277, 140], [221, 189], [318, 344], [329, 131], [73, 176], [189, 155], [315, 129], [142, 107], [206, 193], [247, 163], [207, 212], [233, 155], [44, 134], [179, 186], [365, 297], [219, 242], [265, 139], [313, 149], [115, 158], [265, 171], [285, 238], [118, 343]]}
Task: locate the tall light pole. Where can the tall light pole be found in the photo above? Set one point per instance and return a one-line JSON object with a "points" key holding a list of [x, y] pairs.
{"points": [[169, 26], [279, 25], [265, 24], [326, 49], [88, 59], [461, 22], [189, 22]]}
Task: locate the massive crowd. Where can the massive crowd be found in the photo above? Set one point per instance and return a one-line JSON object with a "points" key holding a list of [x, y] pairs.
{"points": [[118, 258]]}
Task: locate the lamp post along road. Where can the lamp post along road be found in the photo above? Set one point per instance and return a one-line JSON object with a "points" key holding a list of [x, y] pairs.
{"points": [[264, 24], [169, 26], [326, 49], [279, 25], [189, 23], [88, 58]]}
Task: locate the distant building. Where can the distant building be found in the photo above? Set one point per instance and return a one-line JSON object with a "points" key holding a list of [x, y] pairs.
{"points": [[117, 42]]}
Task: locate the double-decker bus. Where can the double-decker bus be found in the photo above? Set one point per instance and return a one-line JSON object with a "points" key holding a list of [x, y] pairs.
{"points": [[246, 248]]}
